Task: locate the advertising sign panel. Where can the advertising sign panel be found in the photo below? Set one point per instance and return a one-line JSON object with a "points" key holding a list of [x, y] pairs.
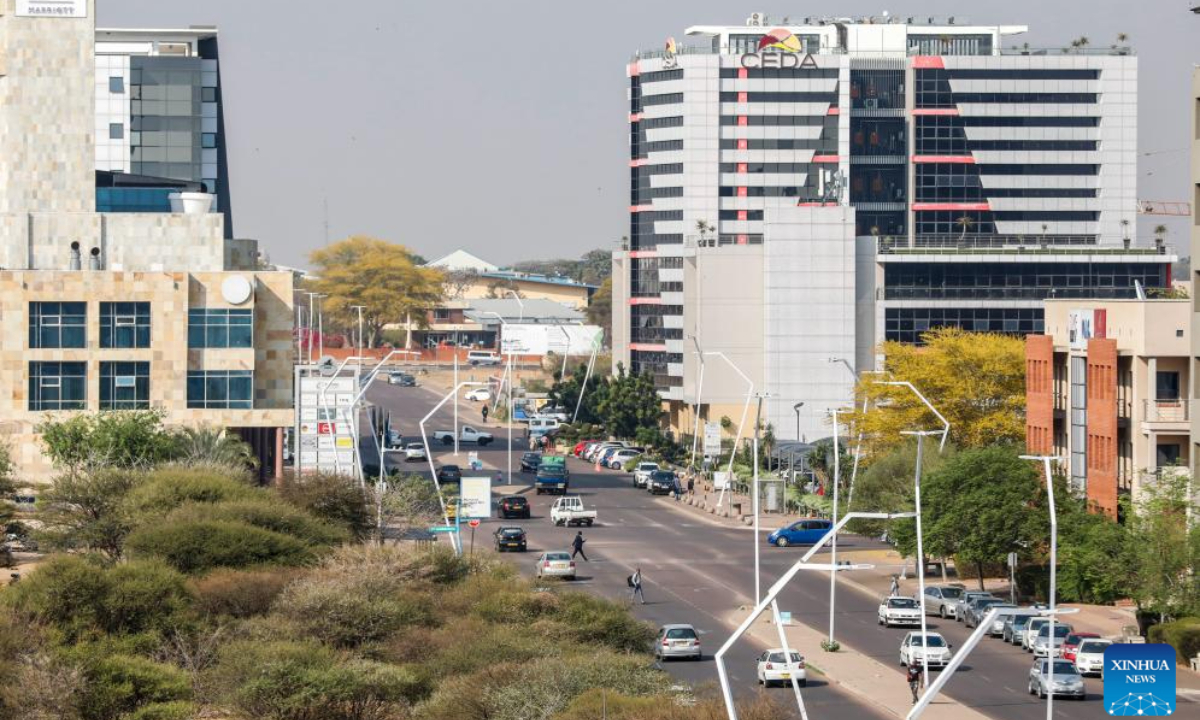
{"points": [[1085, 325], [712, 438], [52, 8], [476, 496]]}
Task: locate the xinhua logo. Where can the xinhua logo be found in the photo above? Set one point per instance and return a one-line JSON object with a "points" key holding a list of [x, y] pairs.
{"points": [[1139, 680]]}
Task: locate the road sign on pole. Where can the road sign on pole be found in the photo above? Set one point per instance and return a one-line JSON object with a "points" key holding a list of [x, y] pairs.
{"points": [[442, 529], [474, 523]]}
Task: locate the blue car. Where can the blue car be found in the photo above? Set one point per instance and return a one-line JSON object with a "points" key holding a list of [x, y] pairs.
{"points": [[801, 532]]}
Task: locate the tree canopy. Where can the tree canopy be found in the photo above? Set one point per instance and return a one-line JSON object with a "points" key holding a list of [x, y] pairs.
{"points": [[599, 310], [381, 276], [629, 403], [976, 380]]}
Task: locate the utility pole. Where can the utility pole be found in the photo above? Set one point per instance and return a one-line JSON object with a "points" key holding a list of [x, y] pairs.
{"points": [[360, 309], [754, 505]]}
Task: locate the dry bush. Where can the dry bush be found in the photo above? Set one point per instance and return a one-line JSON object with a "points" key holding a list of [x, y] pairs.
{"points": [[607, 705], [241, 593]]}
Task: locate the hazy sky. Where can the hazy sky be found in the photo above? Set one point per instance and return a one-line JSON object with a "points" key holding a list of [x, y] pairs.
{"points": [[500, 127]]}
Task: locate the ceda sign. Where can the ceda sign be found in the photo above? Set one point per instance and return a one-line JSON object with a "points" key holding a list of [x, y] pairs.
{"points": [[1139, 680]]}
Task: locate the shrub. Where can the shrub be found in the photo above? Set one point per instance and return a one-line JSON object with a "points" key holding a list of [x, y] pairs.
{"points": [[177, 710], [1183, 635], [86, 511], [600, 705], [113, 438], [264, 513], [589, 619], [169, 487], [120, 684], [78, 597], [240, 593], [335, 498], [350, 611], [306, 681], [199, 546]]}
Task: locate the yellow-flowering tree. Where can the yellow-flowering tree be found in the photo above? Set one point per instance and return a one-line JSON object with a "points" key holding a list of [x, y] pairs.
{"points": [[382, 276], [976, 380]]}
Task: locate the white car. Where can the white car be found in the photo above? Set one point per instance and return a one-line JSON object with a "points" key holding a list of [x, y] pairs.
{"points": [[556, 564], [414, 451], [1031, 631], [641, 474], [1089, 658], [912, 651], [772, 668], [620, 457], [899, 611], [478, 395]]}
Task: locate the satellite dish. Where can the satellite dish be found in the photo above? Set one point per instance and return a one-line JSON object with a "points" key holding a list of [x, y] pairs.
{"points": [[236, 289], [327, 366]]}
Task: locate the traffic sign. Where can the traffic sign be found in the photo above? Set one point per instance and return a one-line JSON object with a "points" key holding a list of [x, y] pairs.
{"points": [[443, 529], [474, 523]]}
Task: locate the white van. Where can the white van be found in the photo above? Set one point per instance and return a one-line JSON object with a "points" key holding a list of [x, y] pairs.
{"points": [[483, 357], [539, 426]]}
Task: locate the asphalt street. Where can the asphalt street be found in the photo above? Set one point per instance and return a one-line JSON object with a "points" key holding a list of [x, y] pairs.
{"points": [[698, 572]]}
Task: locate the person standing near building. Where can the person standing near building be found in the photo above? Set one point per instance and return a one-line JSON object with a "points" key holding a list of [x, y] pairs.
{"points": [[577, 544]]}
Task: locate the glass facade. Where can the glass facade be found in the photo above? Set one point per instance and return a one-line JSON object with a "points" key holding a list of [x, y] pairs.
{"points": [[57, 386], [133, 200], [906, 325], [220, 389], [124, 385], [219, 328], [1018, 281], [171, 111], [57, 325], [125, 325]]}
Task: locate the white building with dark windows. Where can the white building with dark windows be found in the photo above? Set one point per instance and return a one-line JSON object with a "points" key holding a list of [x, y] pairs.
{"points": [[801, 192]]}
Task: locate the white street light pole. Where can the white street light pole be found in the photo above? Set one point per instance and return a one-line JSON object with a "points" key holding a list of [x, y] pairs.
{"points": [[360, 309], [321, 324], [858, 443], [1045, 460], [586, 378], [696, 405], [944, 432], [741, 425], [837, 480], [754, 506], [456, 401], [508, 373], [429, 453], [312, 304]]}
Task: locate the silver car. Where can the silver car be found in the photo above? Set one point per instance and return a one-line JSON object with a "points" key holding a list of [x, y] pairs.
{"points": [[555, 564], [960, 609], [677, 641], [942, 600], [997, 627], [1065, 680], [977, 608], [1045, 646]]}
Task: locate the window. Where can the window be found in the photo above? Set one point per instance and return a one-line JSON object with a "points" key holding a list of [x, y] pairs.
{"points": [[208, 140], [57, 325], [208, 94], [124, 385], [1167, 383], [211, 328], [124, 325], [220, 389], [57, 386], [1168, 454], [441, 314], [116, 131], [116, 85]]}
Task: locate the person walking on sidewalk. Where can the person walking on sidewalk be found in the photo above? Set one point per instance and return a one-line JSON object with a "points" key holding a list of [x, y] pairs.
{"points": [[691, 485], [915, 680], [577, 544], [635, 586], [484, 412], [895, 587]]}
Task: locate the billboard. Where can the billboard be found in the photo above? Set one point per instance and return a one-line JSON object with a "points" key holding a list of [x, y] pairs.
{"points": [[326, 427], [1085, 325], [475, 494], [526, 339], [712, 438]]}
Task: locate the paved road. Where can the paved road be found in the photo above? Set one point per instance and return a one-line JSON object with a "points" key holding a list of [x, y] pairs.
{"points": [[697, 572], [678, 588]]}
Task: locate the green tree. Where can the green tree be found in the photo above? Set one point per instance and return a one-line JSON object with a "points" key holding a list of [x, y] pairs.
{"points": [[381, 276], [86, 511], [207, 445], [599, 309], [120, 439], [1163, 551], [976, 380], [887, 485], [566, 394], [630, 403], [977, 506]]}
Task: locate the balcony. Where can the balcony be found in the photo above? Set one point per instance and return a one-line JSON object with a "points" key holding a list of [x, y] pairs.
{"points": [[1165, 416], [1008, 245], [976, 292]]}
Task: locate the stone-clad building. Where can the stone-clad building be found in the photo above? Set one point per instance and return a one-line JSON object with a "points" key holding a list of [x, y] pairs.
{"points": [[127, 310]]}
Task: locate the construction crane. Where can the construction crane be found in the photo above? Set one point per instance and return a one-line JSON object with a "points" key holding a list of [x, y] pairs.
{"points": [[1158, 207]]}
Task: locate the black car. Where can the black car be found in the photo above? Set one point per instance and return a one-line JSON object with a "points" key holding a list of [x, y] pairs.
{"points": [[450, 474], [530, 461], [663, 482], [513, 506], [509, 538]]}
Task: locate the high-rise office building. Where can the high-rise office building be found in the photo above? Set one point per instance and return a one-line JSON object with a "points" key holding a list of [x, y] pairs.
{"points": [[803, 191], [159, 119]]}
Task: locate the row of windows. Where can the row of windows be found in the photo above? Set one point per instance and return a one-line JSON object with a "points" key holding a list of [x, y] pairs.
{"points": [[640, 150], [1031, 275], [126, 386], [781, 73], [660, 169], [733, 215], [927, 191], [958, 146], [1025, 74], [762, 167], [937, 99], [664, 99], [662, 122], [661, 75], [1019, 121], [658, 192], [781, 97], [780, 120], [798, 192], [906, 325], [126, 325], [826, 143]]}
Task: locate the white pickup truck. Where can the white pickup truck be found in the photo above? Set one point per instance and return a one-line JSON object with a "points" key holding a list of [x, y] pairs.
{"points": [[467, 435], [569, 510]]}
